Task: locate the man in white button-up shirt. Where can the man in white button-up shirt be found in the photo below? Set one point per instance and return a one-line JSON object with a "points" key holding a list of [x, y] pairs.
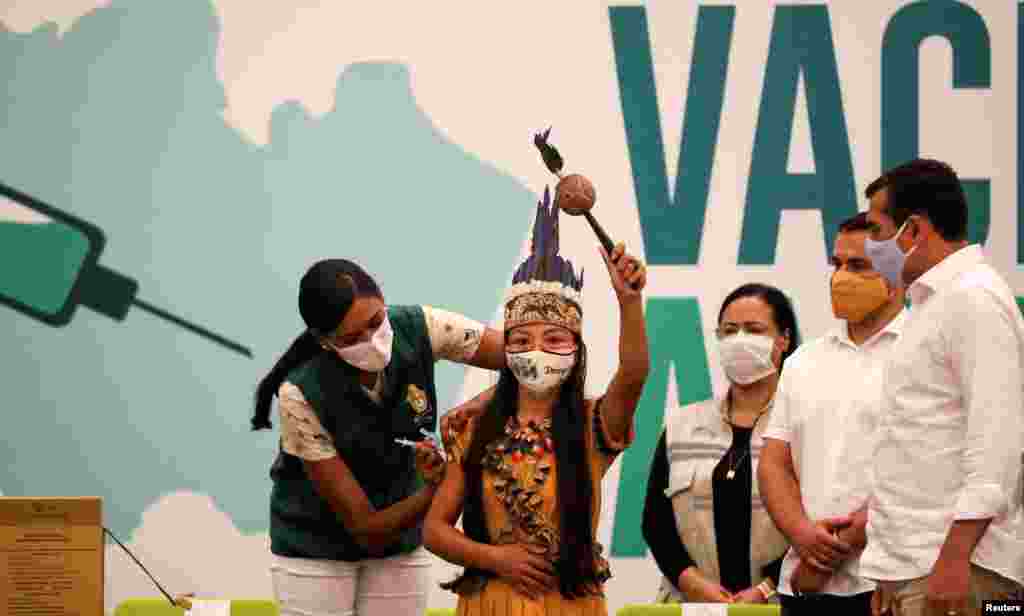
{"points": [[945, 523], [816, 461]]}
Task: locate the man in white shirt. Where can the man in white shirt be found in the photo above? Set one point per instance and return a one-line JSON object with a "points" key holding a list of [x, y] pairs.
{"points": [[945, 524], [816, 459]]}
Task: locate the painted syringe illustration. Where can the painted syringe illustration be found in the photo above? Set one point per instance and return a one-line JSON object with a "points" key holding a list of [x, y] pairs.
{"points": [[51, 266]]}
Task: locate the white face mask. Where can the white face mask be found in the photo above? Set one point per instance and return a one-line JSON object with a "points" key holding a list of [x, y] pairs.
{"points": [[373, 355], [540, 371], [888, 258], [746, 358]]}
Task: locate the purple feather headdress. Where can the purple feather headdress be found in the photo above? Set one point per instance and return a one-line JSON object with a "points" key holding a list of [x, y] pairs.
{"points": [[545, 287]]}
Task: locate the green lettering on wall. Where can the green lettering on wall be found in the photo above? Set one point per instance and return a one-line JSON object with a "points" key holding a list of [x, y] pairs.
{"points": [[801, 42], [968, 38], [676, 339], [672, 224]]}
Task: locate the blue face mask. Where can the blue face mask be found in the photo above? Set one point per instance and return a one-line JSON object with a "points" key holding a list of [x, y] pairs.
{"points": [[887, 258]]}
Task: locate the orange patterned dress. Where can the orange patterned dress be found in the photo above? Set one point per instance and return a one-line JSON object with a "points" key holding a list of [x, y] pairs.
{"points": [[520, 483]]}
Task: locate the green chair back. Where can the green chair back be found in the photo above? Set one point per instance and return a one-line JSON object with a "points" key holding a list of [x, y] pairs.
{"points": [[755, 609], [667, 609], [653, 609], [161, 607]]}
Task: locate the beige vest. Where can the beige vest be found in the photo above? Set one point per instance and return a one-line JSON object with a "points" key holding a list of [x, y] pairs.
{"points": [[696, 438]]}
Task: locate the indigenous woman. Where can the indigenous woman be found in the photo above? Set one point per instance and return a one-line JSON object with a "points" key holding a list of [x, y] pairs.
{"points": [[525, 473]]}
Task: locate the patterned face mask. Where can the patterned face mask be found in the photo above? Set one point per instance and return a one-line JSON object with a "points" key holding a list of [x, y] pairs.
{"points": [[540, 371]]}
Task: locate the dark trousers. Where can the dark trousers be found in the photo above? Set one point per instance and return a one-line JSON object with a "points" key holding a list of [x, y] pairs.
{"points": [[816, 605]]}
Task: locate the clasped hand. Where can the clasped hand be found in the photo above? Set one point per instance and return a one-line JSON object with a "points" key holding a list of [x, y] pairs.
{"points": [[698, 588], [819, 546]]}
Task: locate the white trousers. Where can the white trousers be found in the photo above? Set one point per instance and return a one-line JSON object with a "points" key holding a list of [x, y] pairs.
{"points": [[373, 587]]}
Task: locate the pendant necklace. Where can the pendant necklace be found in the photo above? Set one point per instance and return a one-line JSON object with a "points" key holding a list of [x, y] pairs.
{"points": [[729, 474], [732, 469]]}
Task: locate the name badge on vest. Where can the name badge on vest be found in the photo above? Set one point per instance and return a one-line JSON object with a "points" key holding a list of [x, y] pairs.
{"points": [[416, 398]]}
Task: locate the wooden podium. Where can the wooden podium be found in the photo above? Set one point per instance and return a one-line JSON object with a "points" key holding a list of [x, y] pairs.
{"points": [[51, 556]]}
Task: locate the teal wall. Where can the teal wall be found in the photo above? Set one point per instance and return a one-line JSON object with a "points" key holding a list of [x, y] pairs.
{"points": [[119, 123]]}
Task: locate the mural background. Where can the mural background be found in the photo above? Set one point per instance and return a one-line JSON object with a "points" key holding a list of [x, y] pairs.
{"points": [[221, 147]]}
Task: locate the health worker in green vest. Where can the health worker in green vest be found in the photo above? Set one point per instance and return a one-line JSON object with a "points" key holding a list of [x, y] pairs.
{"points": [[348, 500]]}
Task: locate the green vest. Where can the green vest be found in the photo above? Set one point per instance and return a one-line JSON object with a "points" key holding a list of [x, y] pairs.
{"points": [[302, 524]]}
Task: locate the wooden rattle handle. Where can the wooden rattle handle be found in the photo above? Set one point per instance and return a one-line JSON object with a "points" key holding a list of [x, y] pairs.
{"points": [[602, 236]]}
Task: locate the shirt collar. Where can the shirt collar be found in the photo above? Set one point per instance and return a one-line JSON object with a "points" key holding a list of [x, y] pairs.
{"points": [[894, 327], [943, 273]]}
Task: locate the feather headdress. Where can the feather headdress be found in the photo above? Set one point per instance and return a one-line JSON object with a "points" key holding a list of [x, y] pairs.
{"points": [[545, 287]]}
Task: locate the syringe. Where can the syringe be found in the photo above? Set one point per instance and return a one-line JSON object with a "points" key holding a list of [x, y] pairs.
{"points": [[427, 436], [59, 271]]}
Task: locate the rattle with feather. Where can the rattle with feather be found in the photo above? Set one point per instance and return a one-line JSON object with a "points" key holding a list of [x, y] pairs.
{"points": [[574, 194]]}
